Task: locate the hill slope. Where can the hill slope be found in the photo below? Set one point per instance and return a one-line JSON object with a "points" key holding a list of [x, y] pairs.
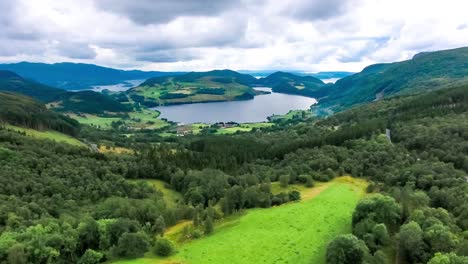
{"points": [[24, 111], [11, 82], [283, 82], [82, 101], [74, 76], [194, 87], [426, 71]]}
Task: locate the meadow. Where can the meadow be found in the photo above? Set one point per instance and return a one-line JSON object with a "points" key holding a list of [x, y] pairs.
{"points": [[49, 134], [293, 233]]}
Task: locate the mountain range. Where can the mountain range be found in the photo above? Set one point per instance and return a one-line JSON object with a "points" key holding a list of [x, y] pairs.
{"points": [[61, 100], [77, 76], [425, 71]]}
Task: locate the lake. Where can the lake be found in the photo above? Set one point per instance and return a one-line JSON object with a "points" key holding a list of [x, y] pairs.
{"points": [[248, 111]]}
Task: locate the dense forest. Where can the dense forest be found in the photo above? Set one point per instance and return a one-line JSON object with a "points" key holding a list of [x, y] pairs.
{"points": [[63, 204]]}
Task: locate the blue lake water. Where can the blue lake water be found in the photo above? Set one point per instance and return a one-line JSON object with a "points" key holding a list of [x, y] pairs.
{"points": [[255, 110]]}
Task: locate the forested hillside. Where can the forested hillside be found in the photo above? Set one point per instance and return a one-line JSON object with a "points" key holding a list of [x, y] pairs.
{"points": [[61, 100], [62, 204], [283, 82], [24, 111], [195, 87], [426, 71]]}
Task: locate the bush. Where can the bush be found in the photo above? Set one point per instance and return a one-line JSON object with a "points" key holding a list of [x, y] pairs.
{"points": [[131, 245], [163, 247], [346, 249], [90, 257]]}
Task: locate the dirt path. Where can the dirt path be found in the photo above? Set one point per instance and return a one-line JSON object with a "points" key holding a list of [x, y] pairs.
{"points": [[312, 192]]}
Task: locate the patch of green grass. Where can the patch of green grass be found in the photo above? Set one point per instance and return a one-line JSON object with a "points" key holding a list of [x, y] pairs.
{"points": [[93, 120], [246, 127], [50, 134], [293, 233], [171, 197], [141, 119], [303, 114]]}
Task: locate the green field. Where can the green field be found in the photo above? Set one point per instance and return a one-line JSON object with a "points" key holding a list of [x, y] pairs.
{"points": [[171, 197], [50, 134], [292, 233], [141, 119], [246, 127], [302, 114]]}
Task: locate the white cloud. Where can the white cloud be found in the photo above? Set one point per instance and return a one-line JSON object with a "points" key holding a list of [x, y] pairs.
{"points": [[309, 35]]}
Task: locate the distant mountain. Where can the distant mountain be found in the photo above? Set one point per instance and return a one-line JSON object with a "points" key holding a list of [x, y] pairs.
{"points": [[11, 82], [82, 101], [426, 71], [23, 111], [331, 75], [283, 82], [318, 75], [77, 76], [195, 87]]}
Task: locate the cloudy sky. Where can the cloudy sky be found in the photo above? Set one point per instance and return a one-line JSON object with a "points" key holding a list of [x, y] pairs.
{"points": [[169, 35]]}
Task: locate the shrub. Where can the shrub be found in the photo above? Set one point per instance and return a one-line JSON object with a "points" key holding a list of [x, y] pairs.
{"points": [[163, 247]]}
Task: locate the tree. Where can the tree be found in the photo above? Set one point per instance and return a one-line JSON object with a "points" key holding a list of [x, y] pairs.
{"points": [[131, 245], [159, 226], [163, 247], [284, 181], [380, 209], [90, 257], [17, 254], [412, 243], [208, 225], [450, 258], [346, 249]]}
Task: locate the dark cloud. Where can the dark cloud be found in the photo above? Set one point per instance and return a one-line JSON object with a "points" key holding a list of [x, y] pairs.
{"points": [[162, 11], [313, 10]]}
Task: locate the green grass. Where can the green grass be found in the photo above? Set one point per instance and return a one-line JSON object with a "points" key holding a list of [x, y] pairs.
{"points": [[246, 127], [93, 120], [50, 134], [142, 119], [291, 115], [292, 233], [171, 197]]}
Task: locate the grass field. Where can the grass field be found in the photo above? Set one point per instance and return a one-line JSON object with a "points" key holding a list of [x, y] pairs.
{"points": [[142, 119], [292, 233], [304, 114], [171, 197], [52, 135], [246, 127]]}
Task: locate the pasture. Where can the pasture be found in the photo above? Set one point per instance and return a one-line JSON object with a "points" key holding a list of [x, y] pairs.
{"points": [[293, 233]]}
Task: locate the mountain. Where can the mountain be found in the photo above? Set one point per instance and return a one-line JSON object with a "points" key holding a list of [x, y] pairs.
{"points": [[425, 71], [23, 111], [283, 82], [195, 87], [12, 82], [77, 76], [331, 75], [318, 75], [57, 98]]}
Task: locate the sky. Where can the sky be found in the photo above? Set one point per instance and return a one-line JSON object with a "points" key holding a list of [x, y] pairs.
{"points": [[199, 35]]}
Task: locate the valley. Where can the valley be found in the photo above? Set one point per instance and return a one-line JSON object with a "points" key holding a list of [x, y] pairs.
{"points": [[116, 177]]}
